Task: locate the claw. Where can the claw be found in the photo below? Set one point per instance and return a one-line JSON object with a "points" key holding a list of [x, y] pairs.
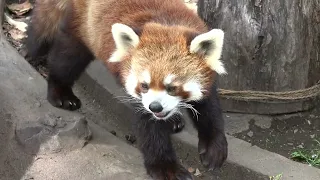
{"points": [[178, 125], [213, 152], [64, 99]]}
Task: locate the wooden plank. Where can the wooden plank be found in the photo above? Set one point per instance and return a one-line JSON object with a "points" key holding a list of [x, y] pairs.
{"points": [[2, 2]]}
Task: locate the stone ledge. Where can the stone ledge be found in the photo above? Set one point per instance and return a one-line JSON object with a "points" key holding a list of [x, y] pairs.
{"points": [[42, 142], [259, 161]]}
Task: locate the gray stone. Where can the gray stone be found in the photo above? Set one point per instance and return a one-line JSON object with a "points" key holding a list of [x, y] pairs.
{"points": [[49, 120], [312, 116], [236, 123], [29, 133], [38, 104], [45, 137], [300, 146], [250, 134]]}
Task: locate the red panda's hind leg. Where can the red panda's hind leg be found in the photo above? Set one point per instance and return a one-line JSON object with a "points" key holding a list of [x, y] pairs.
{"points": [[67, 60]]}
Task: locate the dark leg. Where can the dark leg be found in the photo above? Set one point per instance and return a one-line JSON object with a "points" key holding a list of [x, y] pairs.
{"points": [[212, 146], [68, 58], [159, 156]]}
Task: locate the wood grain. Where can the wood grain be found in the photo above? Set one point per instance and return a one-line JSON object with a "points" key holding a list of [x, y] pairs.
{"points": [[269, 46]]}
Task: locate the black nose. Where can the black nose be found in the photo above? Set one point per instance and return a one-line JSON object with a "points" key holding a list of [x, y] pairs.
{"points": [[155, 107]]}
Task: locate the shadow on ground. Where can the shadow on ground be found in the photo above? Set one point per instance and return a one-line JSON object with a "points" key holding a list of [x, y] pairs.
{"points": [[287, 133]]}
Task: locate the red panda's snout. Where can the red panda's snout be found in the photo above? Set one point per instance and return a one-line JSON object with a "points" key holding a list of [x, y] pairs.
{"points": [[163, 69]]}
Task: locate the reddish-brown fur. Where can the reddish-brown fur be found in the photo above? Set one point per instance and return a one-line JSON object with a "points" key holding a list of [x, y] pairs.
{"points": [[74, 32], [172, 57], [47, 17], [166, 22]]}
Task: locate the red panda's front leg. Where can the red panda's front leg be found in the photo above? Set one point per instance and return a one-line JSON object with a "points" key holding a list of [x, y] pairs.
{"points": [[159, 156], [212, 146]]}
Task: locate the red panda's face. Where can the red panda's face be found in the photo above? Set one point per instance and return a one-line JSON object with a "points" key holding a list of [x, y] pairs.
{"points": [[163, 69], [163, 92]]}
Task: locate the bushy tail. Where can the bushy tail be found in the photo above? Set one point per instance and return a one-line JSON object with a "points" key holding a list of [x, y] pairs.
{"points": [[45, 20]]}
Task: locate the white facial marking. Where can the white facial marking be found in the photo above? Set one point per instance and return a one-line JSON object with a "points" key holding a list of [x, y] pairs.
{"points": [[212, 51], [124, 38], [195, 90], [169, 103], [146, 76], [168, 79], [131, 83]]}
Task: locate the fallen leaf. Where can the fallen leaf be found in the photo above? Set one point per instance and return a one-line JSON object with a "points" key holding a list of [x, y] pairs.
{"points": [[16, 34], [20, 9], [313, 136], [22, 26], [198, 173], [309, 122]]}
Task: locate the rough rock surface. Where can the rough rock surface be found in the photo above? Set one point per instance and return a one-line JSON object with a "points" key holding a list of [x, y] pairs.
{"points": [[41, 142], [50, 134]]}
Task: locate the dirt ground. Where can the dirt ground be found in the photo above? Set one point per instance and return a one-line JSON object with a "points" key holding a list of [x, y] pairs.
{"points": [[287, 133]]}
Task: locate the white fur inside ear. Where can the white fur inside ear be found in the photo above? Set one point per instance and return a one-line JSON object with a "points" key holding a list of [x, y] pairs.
{"points": [[124, 38], [210, 44]]}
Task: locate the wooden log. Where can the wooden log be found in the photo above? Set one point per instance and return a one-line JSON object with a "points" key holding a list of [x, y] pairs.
{"points": [[269, 46], [2, 2]]}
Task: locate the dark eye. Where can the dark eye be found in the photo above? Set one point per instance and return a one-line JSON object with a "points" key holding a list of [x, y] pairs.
{"points": [[144, 86], [171, 90]]}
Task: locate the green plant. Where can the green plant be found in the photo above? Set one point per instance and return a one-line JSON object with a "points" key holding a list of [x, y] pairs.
{"points": [[277, 177], [312, 157]]}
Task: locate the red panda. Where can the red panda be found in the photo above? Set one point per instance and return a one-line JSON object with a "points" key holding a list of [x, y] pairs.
{"points": [[164, 55]]}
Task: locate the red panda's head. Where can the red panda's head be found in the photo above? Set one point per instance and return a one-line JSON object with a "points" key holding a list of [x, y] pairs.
{"points": [[167, 66]]}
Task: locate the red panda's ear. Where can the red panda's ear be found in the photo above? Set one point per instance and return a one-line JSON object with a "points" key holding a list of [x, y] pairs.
{"points": [[125, 38], [210, 45]]}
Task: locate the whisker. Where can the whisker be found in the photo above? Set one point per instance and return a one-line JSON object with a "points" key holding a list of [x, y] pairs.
{"points": [[189, 106]]}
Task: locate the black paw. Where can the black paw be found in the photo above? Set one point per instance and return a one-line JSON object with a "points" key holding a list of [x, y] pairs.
{"points": [[177, 125], [166, 173], [64, 99], [214, 152]]}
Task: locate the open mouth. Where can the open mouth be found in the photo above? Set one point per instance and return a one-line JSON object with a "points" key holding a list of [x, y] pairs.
{"points": [[161, 114]]}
